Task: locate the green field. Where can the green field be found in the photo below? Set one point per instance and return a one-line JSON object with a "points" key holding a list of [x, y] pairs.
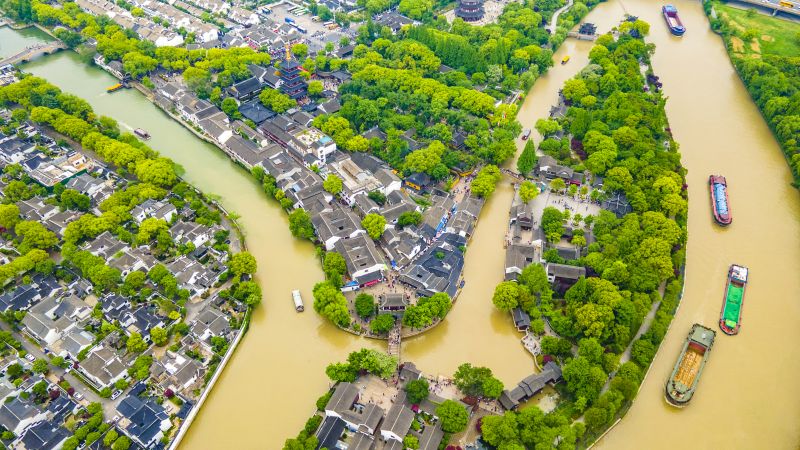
{"points": [[772, 35]]}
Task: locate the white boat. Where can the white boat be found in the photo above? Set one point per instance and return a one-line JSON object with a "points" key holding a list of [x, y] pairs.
{"points": [[298, 301]]}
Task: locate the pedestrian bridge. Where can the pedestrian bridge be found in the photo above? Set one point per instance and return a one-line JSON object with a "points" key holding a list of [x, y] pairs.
{"points": [[33, 51]]}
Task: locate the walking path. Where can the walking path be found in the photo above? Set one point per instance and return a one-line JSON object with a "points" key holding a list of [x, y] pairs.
{"points": [[554, 20], [395, 339]]}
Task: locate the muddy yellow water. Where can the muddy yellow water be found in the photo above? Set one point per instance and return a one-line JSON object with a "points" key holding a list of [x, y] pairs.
{"points": [[748, 396]]}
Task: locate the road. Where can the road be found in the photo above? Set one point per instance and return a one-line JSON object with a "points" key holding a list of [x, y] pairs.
{"points": [[554, 20]]}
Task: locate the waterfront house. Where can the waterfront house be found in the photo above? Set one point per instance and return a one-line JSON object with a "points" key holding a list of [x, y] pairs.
{"points": [[519, 256], [530, 386], [329, 434], [146, 420], [176, 372], [210, 322], [522, 321]]}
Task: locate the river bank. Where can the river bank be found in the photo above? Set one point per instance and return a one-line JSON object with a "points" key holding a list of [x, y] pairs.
{"points": [[270, 369]]}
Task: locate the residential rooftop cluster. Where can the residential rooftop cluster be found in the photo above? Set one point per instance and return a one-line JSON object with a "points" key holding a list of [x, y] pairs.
{"points": [[299, 157], [108, 308], [353, 421]]}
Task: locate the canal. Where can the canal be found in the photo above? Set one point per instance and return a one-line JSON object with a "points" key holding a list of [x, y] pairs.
{"points": [[269, 388]]}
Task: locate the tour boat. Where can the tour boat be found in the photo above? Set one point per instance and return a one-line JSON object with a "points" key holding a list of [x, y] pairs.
{"points": [[730, 317], [141, 133], [673, 21], [565, 60], [718, 187], [685, 376], [298, 301], [114, 88], [526, 134]]}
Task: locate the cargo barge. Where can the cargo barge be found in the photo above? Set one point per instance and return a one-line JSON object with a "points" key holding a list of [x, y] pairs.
{"points": [[684, 378], [730, 317], [673, 21], [720, 206]]}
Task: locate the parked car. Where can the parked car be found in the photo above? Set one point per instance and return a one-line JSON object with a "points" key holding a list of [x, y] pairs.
{"points": [[79, 396], [116, 394], [30, 357]]}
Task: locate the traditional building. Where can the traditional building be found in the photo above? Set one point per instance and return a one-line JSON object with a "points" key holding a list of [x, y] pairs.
{"points": [[293, 83], [470, 10]]}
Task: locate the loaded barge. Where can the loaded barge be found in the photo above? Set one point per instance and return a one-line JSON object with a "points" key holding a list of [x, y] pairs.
{"points": [[730, 317], [719, 199], [673, 21], [686, 374]]}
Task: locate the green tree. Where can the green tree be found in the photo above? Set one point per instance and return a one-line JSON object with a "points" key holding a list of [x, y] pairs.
{"points": [[485, 181], [410, 441], [381, 324], [528, 191], [243, 263], [365, 305], [453, 416], [417, 391], [334, 267], [110, 437], [315, 88], [40, 366], [409, 218], [135, 343], [122, 443], [506, 296], [300, 224], [333, 184], [9, 216], [557, 185], [231, 108], [374, 224], [72, 199], [33, 235], [159, 336]]}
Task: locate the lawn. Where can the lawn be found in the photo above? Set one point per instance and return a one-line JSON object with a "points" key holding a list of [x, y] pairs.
{"points": [[774, 36]]}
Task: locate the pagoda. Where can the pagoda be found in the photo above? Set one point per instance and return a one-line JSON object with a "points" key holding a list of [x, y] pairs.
{"points": [[470, 10], [293, 84]]}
